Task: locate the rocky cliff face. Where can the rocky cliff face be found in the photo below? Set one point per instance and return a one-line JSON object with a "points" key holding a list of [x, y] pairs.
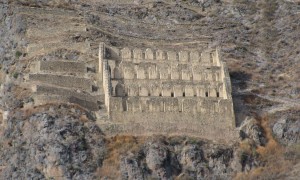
{"points": [[60, 141], [51, 142]]}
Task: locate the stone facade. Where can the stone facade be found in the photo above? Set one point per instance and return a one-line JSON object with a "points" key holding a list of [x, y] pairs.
{"points": [[162, 91]]}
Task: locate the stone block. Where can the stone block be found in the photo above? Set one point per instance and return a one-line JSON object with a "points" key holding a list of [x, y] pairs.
{"points": [[183, 56], [189, 91], [172, 56], [137, 55], [194, 56], [175, 74], [141, 73], [205, 58], [129, 72], [143, 91], [185, 75], [126, 54], [160, 55], [149, 54]]}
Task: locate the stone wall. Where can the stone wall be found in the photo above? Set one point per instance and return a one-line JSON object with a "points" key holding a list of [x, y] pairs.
{"points": [[150, 55], [174, 88], [104, 70]]}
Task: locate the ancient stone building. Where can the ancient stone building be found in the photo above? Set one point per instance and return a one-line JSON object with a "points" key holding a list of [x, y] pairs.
{"points": [[166, 91]]}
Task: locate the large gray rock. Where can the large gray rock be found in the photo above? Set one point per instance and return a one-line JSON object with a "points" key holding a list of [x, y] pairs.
{"points": [[160, 160], [156, 157], [191, 156], [250, 129], [131, 168], [193, 162], [287, 131]]}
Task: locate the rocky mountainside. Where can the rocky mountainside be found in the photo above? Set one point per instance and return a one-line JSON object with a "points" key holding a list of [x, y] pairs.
{"points": [[259, 42]]}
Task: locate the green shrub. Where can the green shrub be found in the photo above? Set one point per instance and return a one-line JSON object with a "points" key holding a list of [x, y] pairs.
{"points": [[15, 75], [18, 54]]}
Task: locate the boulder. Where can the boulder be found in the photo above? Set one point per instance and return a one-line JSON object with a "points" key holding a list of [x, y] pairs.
{"points": [[287, 131], [250, 129]]}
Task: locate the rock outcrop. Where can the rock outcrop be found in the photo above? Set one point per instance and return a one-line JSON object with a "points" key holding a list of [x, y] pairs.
{"points": [[60, 142], [287, 131]]}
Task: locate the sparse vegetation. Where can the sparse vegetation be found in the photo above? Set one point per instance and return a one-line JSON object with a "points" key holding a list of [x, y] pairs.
{"points": [[15, 75], [117, 147], [271, 155], [292, 153], [18, 54]]}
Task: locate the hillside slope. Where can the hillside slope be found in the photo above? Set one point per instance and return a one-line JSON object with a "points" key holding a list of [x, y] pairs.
{"points": [[259, 42]]}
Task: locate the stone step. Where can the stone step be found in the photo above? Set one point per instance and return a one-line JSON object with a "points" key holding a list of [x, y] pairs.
{"points": [[63, 81], [46, 99], [60, 30], [34, 49], [59, 66], [52, 90]]}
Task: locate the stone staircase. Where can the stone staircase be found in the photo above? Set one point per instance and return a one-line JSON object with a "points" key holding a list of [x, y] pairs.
{"points": [[62, 81], [63, 64]]}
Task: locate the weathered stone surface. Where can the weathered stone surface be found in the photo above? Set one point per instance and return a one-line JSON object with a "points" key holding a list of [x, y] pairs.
{"points": [[167, 159], [61, 141], [130, 168], [250, 129], [287, 131]]}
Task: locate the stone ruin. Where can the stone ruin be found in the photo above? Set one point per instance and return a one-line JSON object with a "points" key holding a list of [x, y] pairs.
{"points": [[166, 91]]}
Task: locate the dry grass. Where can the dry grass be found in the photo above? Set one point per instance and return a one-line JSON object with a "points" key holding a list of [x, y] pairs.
{"points": [[20, 92], [247, 147], [83, 118], [27, 112], [118, 146]]}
